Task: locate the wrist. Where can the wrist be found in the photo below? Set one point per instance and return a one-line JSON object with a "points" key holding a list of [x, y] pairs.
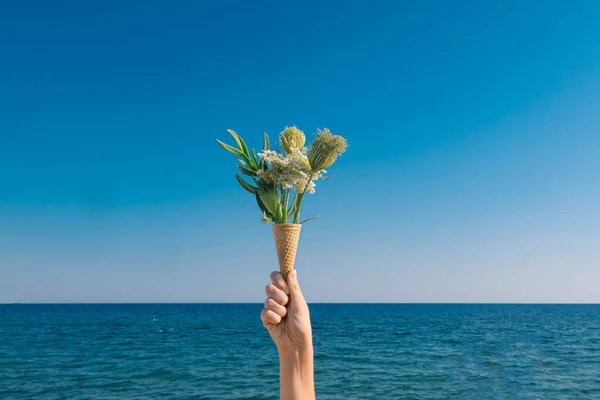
{"points": [[296, 350]]}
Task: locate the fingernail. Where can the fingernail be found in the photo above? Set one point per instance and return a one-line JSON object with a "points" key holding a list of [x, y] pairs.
{"points": [[293, 275]]}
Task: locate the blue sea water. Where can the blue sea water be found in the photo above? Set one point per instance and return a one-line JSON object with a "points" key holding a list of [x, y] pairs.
{"points": [[362, 351]]}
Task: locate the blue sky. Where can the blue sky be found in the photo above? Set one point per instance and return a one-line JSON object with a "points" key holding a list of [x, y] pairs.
{"points": [[473, 172]]}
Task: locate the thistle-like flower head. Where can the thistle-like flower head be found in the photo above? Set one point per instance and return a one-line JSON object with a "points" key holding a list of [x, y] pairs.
{"points": [[291, 139], [324, 149]]}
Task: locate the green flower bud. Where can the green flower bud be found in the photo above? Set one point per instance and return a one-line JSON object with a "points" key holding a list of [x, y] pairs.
{"points": [[324, 150], [291, 139]]}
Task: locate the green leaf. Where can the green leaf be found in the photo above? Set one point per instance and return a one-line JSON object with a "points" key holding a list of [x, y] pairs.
{"points": [[262, 206], [235, 137], [262, 186], [244, 147], [308, 219], [271, 200], [245, 184], [266, 142], [292, 209], [243, 162], [266, 189], [252, 165], [255, 156], [240, 142], [229, 148], [248, 162], [246, 172]]}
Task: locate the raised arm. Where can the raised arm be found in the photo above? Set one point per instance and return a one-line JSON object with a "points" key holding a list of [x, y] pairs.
{"points": [[287, 319]]}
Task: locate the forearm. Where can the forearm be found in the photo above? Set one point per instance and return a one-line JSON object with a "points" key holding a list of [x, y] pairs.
{"points": [[297, 374]]}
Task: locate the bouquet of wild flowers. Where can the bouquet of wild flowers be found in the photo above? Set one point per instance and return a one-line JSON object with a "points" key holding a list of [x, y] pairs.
{"points": [[280, 180]]}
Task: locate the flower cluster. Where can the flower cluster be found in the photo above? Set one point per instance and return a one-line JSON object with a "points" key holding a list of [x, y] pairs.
{"points": [[279, 180], [289, 171]]}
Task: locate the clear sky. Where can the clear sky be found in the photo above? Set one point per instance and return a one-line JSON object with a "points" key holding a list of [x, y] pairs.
{"points": [[473, 172]]}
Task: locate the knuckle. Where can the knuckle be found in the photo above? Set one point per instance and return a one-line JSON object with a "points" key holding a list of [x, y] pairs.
{"points": [[269, 303], [274, 317], [278, 295], [283, 299], [282, 311], [274, 306]]}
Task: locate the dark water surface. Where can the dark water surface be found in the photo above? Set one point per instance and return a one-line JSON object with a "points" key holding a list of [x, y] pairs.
{"points": [[362, 351]]}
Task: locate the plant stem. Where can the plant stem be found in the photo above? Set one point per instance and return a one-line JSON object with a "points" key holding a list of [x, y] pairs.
{"points": [[285, 195], [280, 211], [299, 199]]}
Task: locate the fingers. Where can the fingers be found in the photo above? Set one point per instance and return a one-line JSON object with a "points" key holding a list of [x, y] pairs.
{"points": [[278, 281], [277, 298], [297, 302], [292, 281], [269, 317], [276, 294], [278, 309]]}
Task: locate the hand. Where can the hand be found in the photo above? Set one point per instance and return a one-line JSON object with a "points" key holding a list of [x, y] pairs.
{"points": [[286, 314], [287, 319]]}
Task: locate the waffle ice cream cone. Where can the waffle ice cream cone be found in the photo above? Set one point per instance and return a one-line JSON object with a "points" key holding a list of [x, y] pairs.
{"points": [[286, 244]]}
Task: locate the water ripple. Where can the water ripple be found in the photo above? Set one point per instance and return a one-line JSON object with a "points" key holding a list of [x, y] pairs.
{"points": [[212, 351]]}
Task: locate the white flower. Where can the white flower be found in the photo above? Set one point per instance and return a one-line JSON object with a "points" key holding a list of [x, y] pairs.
{"points": [[311, 187], [291, 170]]}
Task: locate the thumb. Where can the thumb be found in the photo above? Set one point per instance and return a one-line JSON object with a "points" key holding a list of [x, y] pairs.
{"points": [[296, 297]]}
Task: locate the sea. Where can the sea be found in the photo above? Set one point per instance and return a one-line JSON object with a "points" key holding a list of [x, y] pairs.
{"points": [[362, 351]]}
